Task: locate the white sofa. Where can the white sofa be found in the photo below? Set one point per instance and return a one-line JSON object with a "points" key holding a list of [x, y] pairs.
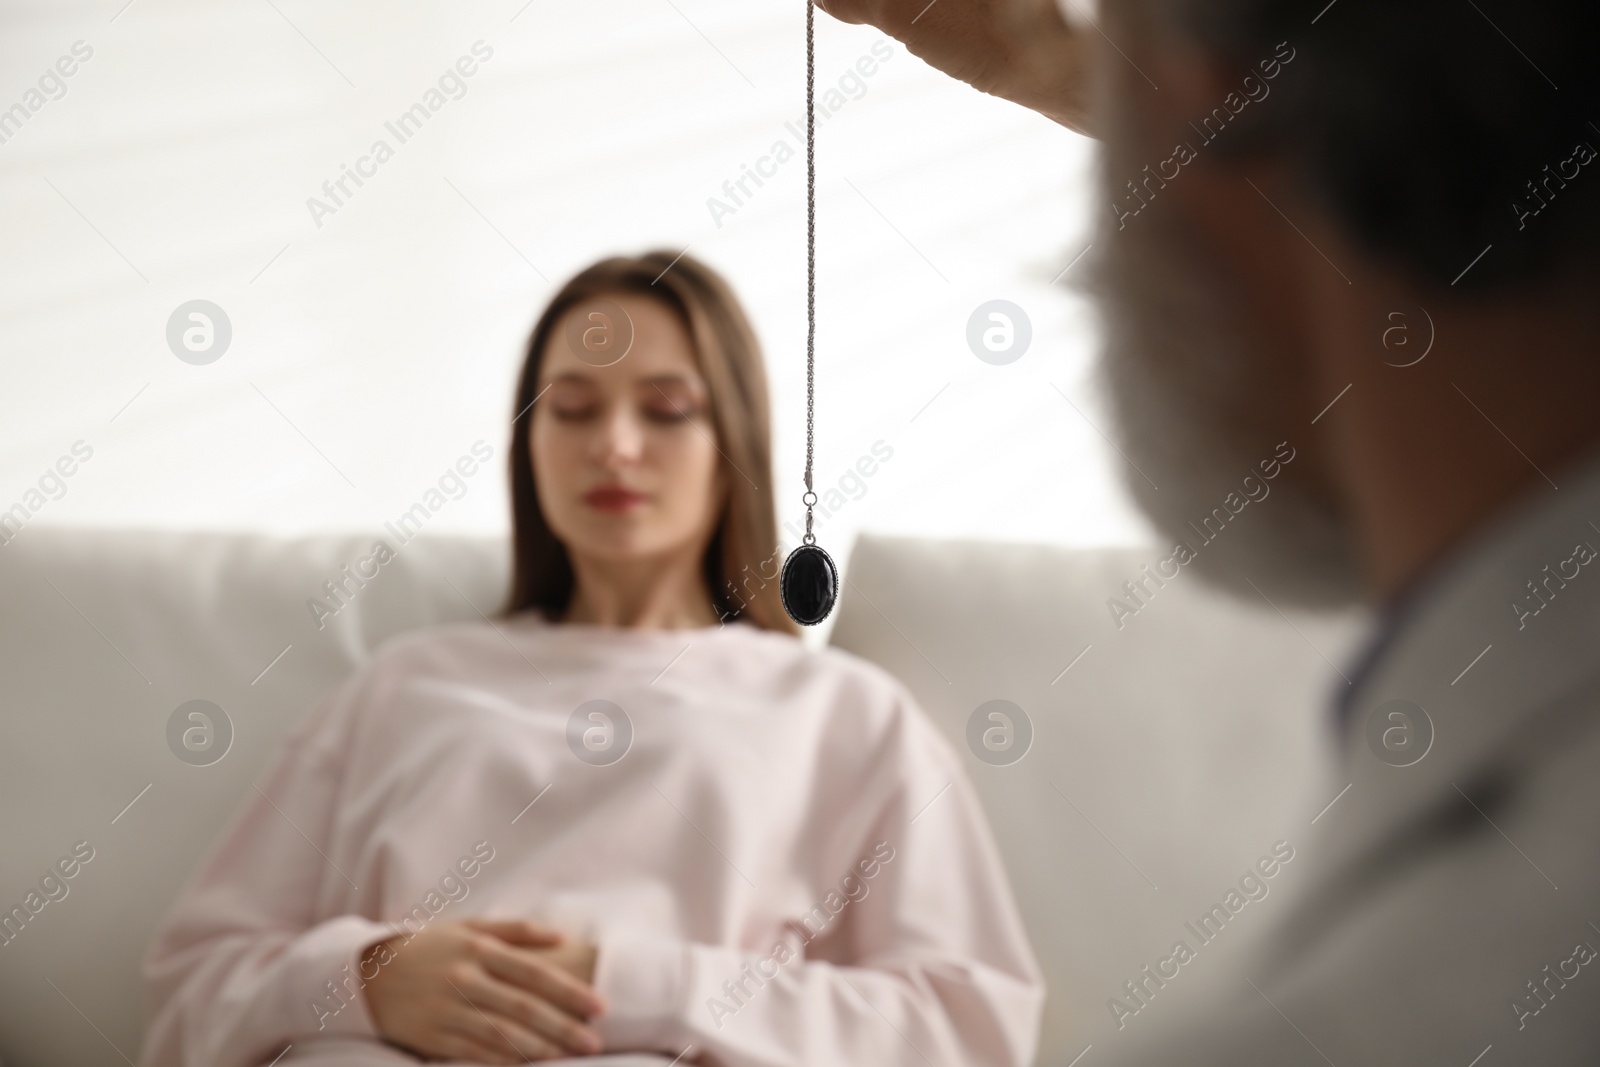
{"points": [[1171, 754]]}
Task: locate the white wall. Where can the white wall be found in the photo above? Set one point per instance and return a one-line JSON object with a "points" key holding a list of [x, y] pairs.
{"points": [[372, 350]]}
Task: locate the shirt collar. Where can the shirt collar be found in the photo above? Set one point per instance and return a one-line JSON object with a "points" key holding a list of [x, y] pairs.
{"points": [[1530, 512]]}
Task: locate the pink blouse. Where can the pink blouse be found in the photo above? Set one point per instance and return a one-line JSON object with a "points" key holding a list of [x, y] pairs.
{"points": [[779, 857]]}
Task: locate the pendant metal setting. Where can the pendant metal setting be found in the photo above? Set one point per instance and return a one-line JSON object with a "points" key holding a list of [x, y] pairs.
{"points": [[808, 584]]}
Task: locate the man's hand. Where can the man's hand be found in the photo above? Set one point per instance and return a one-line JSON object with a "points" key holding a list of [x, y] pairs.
{"points": [[1021, 50], [486, 991]]}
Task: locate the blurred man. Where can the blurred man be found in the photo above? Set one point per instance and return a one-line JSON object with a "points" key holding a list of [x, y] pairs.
{"points": [[1367, 233]]}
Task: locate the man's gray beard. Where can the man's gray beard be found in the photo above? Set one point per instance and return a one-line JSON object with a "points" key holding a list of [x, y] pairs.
{"points": [[1195, 419]]}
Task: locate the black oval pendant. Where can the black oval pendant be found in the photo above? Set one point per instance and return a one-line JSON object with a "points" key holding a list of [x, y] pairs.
{"points": [[808, 585]]}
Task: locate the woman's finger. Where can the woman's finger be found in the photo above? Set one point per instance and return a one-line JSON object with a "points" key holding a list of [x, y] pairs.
{"points": [[519, 931], [527, 971], [501, 998], [503, 1036]]}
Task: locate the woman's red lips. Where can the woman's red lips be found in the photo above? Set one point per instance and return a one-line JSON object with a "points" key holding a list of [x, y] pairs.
{"points": [[612, 498]]}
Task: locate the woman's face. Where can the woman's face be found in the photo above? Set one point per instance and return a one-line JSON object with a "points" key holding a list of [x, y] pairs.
{"points": [[624, 453]]}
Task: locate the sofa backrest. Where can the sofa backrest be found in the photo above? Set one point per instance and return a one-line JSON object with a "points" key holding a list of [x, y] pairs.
{"points": [[105, 635], [1171, 749]]}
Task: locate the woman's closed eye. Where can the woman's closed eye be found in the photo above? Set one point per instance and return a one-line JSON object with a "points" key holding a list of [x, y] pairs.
{"points": [[670, 409], [574, 412], [665, 401], [572, 400], [672, 400], [661, 411]]}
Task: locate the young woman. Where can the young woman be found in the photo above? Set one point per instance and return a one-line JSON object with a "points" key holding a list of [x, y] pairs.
{"points": [[634, 814]]}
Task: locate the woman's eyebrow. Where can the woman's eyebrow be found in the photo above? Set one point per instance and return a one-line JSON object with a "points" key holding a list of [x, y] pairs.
{"points": [[671, 378]]}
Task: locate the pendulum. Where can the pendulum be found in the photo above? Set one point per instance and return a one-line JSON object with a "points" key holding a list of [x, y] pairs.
{"points": [[808, 584]]}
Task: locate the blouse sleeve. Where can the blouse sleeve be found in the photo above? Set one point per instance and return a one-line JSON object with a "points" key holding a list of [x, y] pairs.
{"points": [[927, 962], [240, 966]]}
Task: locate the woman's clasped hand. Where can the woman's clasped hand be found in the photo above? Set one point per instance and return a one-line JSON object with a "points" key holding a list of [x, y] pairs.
{"points": [[485, 990]]}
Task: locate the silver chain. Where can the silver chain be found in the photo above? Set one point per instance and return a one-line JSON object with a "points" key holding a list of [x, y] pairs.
{"points": [[809, 498]]}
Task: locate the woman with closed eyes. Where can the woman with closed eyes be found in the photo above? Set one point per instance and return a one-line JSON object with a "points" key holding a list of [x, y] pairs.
{"points": [[632, 818]]}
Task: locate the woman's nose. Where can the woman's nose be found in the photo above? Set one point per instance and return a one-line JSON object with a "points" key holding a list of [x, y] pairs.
{"points": [[620, 439]]}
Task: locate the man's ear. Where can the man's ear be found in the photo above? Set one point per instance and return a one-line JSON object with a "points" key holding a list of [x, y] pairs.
{"points": [[1168, 80], [1189, 84]]}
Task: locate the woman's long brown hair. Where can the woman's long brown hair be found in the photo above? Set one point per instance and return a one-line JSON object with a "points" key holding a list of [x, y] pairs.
{"points": [[742, 558]]}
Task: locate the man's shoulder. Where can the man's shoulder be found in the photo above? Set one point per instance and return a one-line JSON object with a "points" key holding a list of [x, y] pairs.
{"points": [[1472, 924]]}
